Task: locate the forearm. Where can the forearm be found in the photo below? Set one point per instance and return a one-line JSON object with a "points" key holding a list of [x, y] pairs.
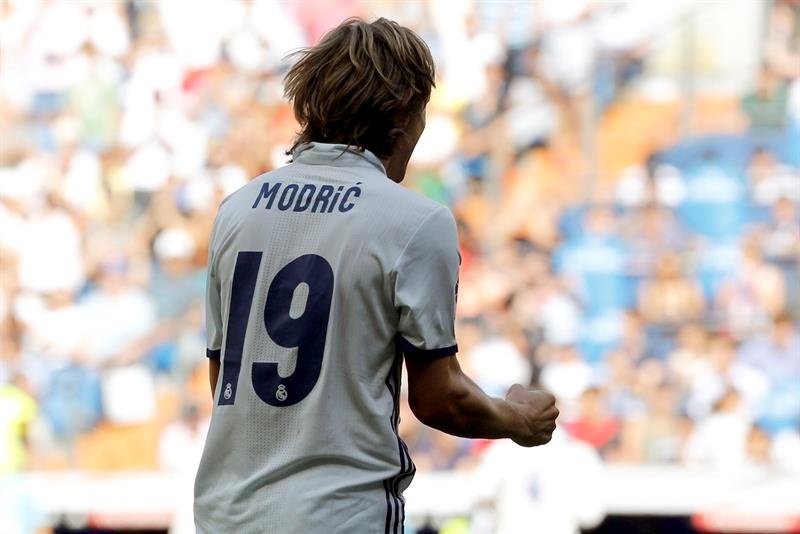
{"points": [[477, 415], [463, 409]]}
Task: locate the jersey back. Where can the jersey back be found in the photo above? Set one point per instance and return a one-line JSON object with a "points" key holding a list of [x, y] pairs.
{"points": [[321, 276]]}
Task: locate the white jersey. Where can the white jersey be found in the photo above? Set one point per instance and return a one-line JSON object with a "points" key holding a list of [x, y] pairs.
{"points": [[322, 274]]}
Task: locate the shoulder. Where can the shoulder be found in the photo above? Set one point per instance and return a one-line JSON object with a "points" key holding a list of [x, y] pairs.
{"points": [[416, 209], [426, 229]]}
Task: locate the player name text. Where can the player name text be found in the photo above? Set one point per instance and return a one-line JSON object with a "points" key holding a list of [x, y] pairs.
{"points": [[308, 197]]}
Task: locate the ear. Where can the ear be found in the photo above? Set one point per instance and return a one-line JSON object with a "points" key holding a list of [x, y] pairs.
{"points": [[396, 133], [396, 136], [401, 120]]}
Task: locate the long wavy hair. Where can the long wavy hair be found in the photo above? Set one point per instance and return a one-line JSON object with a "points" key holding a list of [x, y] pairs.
{"points": [[360, 84]]}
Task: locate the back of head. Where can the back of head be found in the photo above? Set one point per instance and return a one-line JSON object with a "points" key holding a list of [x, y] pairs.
{"points": [[360, 85]]}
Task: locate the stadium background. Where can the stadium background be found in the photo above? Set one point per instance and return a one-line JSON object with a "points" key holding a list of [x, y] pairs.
{"points": [[626, 178]]}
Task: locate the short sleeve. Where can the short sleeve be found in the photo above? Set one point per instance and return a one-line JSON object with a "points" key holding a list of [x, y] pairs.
{"points": [[213, 306], [425, 285]]}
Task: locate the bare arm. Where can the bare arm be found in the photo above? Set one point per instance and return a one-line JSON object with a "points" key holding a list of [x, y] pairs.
{"points": [[443, 397], [213, 374]]}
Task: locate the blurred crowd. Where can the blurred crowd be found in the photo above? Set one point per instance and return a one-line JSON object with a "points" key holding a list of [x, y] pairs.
{"points": [[647, 277]]}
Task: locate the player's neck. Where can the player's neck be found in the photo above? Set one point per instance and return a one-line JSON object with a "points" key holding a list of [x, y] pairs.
{"points": [[395, 166]]}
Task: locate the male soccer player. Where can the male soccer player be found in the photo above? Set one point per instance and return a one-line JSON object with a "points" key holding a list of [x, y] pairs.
{"points": [[322, 275]]}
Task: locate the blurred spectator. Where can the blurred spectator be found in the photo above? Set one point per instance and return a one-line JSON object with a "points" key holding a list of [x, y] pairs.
{"points": [[72, 404], [531, 117], [770, 180], [594, 424], [777, 354], [753, 294], [116, 295], [548, 306], [670, 298], [181, 442], [50, 235], [633, 337], [765, 453], [720, 371], [786, 451], [779, 240], [176, 282], [779, 236], [689, 357], [17, 411], [566, 374], [720, 440], [496, 364], [55, 326], [757, 448], [620, 379], [128, 395], [766, 106], [650, 232], [539, 486], [658, 435], [782, 47]]}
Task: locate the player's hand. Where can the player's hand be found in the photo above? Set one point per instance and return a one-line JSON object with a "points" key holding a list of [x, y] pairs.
{"points": [[537, 409]]}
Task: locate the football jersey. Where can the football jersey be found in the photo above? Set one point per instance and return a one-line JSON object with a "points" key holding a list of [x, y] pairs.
{"points": [[322, 274]]}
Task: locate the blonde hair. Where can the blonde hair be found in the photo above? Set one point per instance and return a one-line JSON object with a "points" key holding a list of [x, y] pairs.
{"points": [[359, 85]]}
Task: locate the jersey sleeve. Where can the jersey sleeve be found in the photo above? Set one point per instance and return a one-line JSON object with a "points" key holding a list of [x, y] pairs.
{"points": [[425, 285], [213, 305]]}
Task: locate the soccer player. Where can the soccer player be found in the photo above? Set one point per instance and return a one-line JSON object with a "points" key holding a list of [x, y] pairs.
{"points": [[323, 276]]}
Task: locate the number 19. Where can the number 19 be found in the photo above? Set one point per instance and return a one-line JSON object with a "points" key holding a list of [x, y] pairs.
{"points": [[306, 332]]}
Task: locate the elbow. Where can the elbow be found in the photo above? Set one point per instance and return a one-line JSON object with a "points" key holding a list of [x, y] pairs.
{"points": [[441, 411], [429, 415]]}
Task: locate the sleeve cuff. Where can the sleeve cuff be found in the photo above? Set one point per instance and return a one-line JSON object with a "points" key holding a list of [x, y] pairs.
{"points": [[214, 354], [410, 350]]}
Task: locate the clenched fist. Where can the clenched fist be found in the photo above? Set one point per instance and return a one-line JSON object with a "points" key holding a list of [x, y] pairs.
{"points": [[538, 412]]}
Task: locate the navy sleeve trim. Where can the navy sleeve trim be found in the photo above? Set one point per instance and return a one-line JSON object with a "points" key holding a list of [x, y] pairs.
{"points": [[213, 354], [410, 350]]}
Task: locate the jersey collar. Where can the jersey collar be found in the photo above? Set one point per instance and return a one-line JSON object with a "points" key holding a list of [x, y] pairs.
{"points": [[335, 154]]}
